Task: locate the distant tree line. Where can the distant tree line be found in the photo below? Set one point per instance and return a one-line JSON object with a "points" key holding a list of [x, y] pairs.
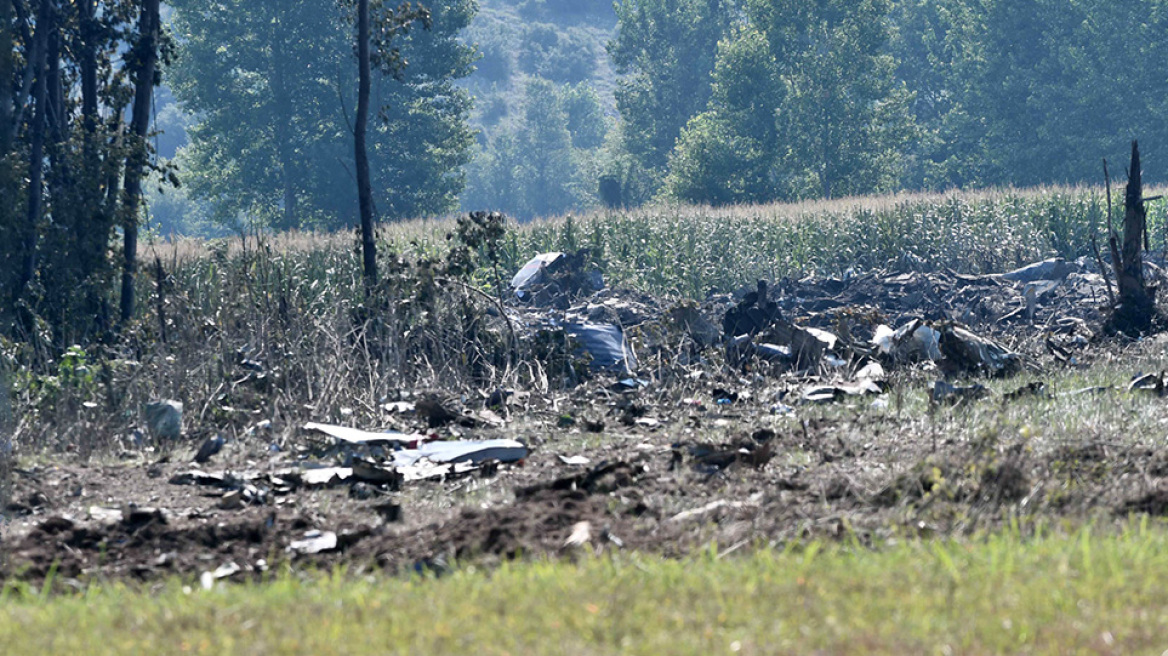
{"points": [[746, 101], [725, 101]]}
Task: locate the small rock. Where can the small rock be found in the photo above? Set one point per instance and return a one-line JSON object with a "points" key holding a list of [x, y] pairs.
{"points": [[164, 419]]}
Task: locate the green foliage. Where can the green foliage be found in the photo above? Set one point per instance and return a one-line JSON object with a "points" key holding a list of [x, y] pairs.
{"points": [[557, 55], [665, 51], [715, 164], [804, 103], [566, 9], [1032, 92], [272, 84], [586, 121], [534, 168], [63, 163]]}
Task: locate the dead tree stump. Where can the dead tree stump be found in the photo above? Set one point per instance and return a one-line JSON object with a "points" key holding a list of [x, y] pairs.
{"points": [[1136, 308]]}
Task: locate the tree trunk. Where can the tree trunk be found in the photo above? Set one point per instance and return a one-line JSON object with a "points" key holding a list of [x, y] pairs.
{"points": [[94, 241], [284, 130], [36, 45], [88, 65], [36, 158], [146, 57], [54, 91], [7, 76], [364, 189], [1136, 306]]}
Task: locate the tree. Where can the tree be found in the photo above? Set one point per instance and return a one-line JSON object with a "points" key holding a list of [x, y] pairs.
{"points": [[729, 153], [389, 24], [664, 51], [7, 76], [567, 56], [493, 176], [929, 41], [1026, 92], [532, 167], [38, 71], [586, 121], [844, 115], [715, 164], [142, 61], [361, 155], [549, 173], [273, 88]]}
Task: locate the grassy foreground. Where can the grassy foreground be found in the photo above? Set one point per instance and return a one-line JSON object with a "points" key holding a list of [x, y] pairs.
{"points": [[1080, 592]]}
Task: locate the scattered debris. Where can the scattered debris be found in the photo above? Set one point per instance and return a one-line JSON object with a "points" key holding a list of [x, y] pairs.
{"points": [[711, 507], [968, 353], [1036, 389], [943, 392], [314, 542], [1153, 383], [581, 535], [210, 447], [913, 342], [1047, 270], [554, 278], [532, 273], [832, 393], [437, 410], [659, 381], [364, 438], [605, 344], [470, 451]]}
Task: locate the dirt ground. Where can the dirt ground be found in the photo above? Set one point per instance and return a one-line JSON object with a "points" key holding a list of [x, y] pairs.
{"points": [[701, 454]]}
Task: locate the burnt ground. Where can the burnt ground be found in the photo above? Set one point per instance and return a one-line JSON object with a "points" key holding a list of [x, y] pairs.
{"points": [[704, 453]]}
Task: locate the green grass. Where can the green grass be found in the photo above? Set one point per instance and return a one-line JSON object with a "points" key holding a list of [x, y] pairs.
{"points": [[1057, 593]]}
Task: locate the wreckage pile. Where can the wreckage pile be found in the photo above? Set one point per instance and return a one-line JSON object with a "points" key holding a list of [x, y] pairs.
{"points": [[831, 338], [830, 327]]}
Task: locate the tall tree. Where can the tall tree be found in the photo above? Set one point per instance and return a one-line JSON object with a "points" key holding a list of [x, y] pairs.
{"points": [[143, 63], [38, 72], [534, 166], [67, 64], [845, 115], [729, 153], [549, 172], [364, 191], [805, 103], [7, 75], [389, 24]]}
